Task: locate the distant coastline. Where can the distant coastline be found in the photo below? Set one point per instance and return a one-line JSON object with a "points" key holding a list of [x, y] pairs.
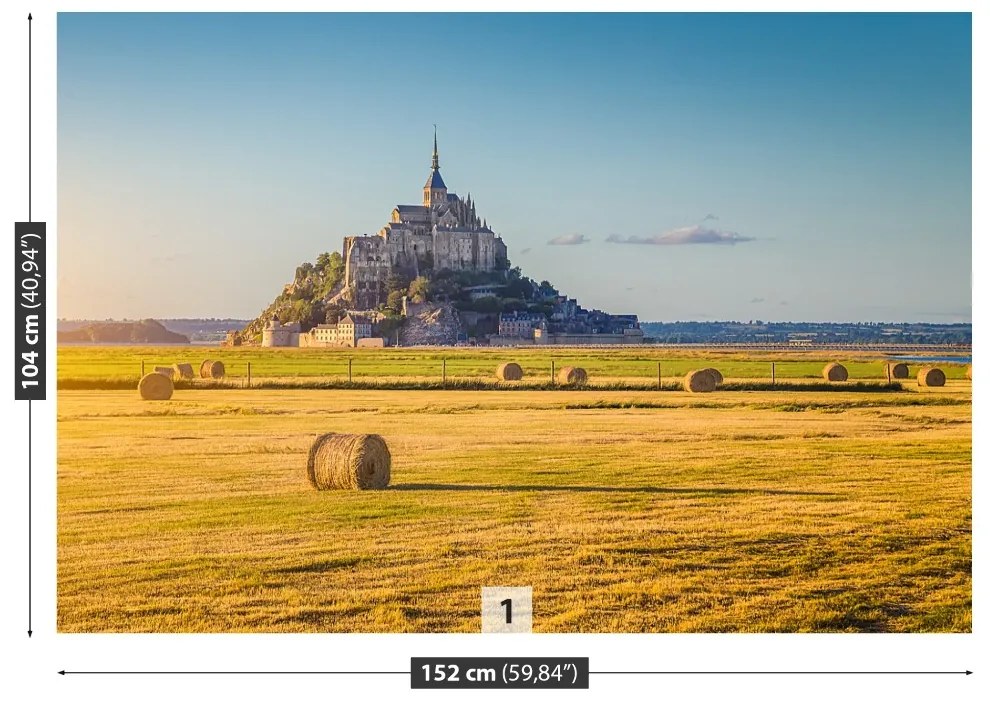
{"points": [[892, 337]]}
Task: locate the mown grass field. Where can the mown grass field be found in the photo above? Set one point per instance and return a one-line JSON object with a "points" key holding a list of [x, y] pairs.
{"points": [[625, 511], [96, 366]]}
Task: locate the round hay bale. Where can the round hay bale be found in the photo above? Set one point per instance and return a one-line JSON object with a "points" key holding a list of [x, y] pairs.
{"points": [[167, 371], [969, 372], [509, 371], [156, 385], [572, 376], [716, 374], [835, 372], [183, 371], [349, 461], [699, 381], [931, 377], [898, 370], [211, 369]]}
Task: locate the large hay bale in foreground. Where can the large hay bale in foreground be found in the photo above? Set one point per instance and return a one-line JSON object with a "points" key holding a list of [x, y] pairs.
{"points": [[572, 376], [183, 371], [931, 377], [835, 372], [509, 371], [211, 369], [167, 371], [156, 385], [349, 461], [699, 381], [716, 374], [898, 370]]}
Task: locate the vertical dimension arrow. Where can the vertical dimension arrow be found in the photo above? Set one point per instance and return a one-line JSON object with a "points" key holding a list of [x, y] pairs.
{"points": [[30, 630], [30, 21], [29, 324], [30, 526]]}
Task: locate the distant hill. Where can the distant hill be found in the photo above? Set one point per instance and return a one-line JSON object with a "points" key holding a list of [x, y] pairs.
{"points": [[197, 330], [143, 331]]}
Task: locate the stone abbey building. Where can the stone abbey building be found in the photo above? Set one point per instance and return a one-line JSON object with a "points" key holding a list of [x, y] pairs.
{"points": [[444, 232]]}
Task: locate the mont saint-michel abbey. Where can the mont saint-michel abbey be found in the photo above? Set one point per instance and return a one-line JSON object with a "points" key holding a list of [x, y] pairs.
{"points": [[444, 232]]}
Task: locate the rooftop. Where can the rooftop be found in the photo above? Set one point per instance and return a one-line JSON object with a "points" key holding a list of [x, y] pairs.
{"points": [[435, 180]]}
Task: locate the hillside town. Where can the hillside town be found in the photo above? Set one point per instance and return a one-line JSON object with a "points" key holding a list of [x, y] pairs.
{"points": [[435, 274]]}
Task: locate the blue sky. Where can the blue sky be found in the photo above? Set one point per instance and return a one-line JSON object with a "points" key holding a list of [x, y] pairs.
{"points": [[683, 167]]}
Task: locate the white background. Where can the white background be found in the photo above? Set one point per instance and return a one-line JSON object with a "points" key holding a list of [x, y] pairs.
{"points": [[30, 666]]}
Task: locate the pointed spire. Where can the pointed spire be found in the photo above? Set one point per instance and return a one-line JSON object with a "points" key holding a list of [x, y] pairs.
{"points": [[436, 155]]}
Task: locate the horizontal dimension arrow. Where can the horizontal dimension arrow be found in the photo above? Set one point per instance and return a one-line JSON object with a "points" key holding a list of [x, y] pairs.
{"points": [[233, 672], [591, 672], [781, 672]]}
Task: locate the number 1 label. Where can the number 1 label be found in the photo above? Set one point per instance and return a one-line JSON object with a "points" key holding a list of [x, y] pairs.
{"points": [[506, 610]]}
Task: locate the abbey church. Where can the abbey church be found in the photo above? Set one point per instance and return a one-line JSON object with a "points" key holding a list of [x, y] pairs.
{"points": [[444, 232]]}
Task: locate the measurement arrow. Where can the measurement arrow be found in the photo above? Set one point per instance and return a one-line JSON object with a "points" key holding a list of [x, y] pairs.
{"points": [[63, 672], [233, 672], [30, 20], [30, 527], [781, 672], [29, 521]]}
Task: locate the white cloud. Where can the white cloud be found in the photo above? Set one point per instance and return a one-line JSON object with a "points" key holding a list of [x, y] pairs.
{"points": [[696, 234], [568, 240]]}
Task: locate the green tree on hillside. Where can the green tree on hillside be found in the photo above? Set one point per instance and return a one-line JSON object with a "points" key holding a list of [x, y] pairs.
{"points": [[330, 270], [334, 312], [394, 301], [419, 289]]}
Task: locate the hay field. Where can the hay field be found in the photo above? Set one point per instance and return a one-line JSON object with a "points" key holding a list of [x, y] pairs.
{"points": [[85, 367], [625, 511]]}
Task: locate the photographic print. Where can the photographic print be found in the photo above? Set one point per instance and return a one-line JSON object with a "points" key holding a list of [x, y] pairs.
{"points": [[431, 322]]}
